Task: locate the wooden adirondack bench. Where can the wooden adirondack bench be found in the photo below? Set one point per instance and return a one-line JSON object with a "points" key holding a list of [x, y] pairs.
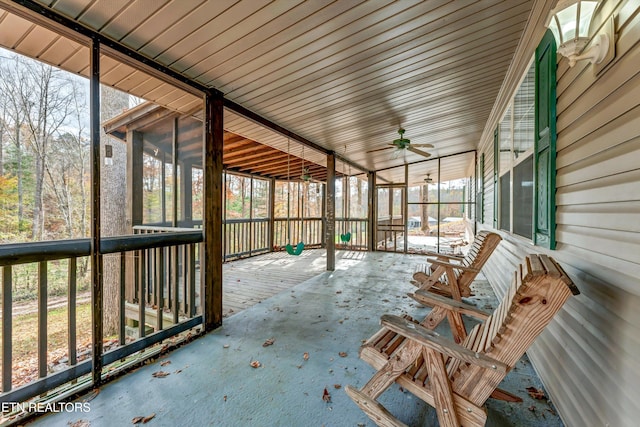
{"points": [[457, 379]]}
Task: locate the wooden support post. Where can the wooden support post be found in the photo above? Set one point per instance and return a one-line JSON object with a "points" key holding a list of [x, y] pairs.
{"points": [[324, 215], [7, 326], [96, 256], [174, 175], [212, 221], [331, 212], [371, 211], [272, 213]]}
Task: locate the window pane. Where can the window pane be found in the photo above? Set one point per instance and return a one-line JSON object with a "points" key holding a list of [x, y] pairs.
{"points": [[524, 115], [282, 191], [313, 200], [339, 200], [505, 143], [358, 206], [197, 192], [260, 199], [383, 203], [523, 198], [151, 188]]}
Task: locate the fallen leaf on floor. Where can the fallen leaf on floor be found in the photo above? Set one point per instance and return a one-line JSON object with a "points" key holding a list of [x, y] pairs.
{"points": [[268, 342], [178, 371], [160, 374], [305, 356], [225, 397], [148, 418], [225, 346], [326, 396], [342, 354], [532, 408], [165, 363], [143, 420], [255, 364], [536, 394], [79, 423], [337, 386]]}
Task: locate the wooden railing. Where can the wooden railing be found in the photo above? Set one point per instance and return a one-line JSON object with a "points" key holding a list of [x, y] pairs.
{"points": [[389, 234], [293, 230], [160, 271], [358, 227], [245, 237]]}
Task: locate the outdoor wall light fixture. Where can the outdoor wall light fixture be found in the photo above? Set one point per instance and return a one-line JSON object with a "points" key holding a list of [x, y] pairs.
{"points": [[570, 21]]}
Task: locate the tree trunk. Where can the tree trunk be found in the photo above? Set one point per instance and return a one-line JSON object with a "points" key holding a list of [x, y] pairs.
{"points": [[19, 176], [38, 214], [424, 211], [113, 187]]}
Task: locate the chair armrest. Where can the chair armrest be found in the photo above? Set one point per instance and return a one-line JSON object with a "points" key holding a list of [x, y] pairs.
{"points": [[442, 345], [433, 300], [445, 256], [446, 264]]}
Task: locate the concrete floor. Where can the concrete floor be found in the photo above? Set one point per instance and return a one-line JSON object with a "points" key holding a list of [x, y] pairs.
{"points": [[211, 381]]}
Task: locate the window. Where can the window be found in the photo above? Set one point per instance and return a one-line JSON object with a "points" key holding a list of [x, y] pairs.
{"points": [[524, 149]]}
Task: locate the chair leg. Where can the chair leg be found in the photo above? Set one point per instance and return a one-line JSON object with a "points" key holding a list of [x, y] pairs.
{"points": [[373, 409], [442, 393], [435, 316], [396, 366], [366, 397], [458, 330]]}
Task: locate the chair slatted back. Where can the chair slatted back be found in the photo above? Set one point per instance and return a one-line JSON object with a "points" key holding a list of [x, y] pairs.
{"points": [[481, 249], [536, 293]]}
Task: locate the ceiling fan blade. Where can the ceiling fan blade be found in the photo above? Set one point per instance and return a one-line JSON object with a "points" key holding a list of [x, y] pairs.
{"points": [[422, 153], [380, 149], [422, 145]]}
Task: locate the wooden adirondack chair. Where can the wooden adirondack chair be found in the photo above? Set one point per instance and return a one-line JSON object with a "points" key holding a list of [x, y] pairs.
{"points": [[451, 275], [457, 379]]}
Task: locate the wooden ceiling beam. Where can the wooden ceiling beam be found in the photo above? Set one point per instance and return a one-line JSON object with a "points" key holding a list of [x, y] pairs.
{"points": [[247, 153], [236, 144], [262, 161], [292, 165]]}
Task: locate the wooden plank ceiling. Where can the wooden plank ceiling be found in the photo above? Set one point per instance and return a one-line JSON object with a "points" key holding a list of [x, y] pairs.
{"points": [[344, 74]]}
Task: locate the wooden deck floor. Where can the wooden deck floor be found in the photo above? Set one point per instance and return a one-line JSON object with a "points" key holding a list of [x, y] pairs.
{"points": [[251, 280]]}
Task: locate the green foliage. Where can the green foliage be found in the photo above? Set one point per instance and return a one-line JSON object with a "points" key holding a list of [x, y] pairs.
{"points": [[8, 207]]}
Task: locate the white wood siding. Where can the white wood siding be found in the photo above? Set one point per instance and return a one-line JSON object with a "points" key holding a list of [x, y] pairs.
{"points": [[588, 357]]}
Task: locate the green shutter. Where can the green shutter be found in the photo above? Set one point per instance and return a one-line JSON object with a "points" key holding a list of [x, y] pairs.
{"points": [[545, 144]]}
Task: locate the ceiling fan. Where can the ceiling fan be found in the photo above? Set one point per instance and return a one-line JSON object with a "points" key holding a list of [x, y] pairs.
{"points": [[403, 143], [424, 181]]}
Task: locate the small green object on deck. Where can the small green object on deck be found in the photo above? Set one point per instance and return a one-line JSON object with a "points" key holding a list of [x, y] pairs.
{"points": [[296, 251], [345, 237]]}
